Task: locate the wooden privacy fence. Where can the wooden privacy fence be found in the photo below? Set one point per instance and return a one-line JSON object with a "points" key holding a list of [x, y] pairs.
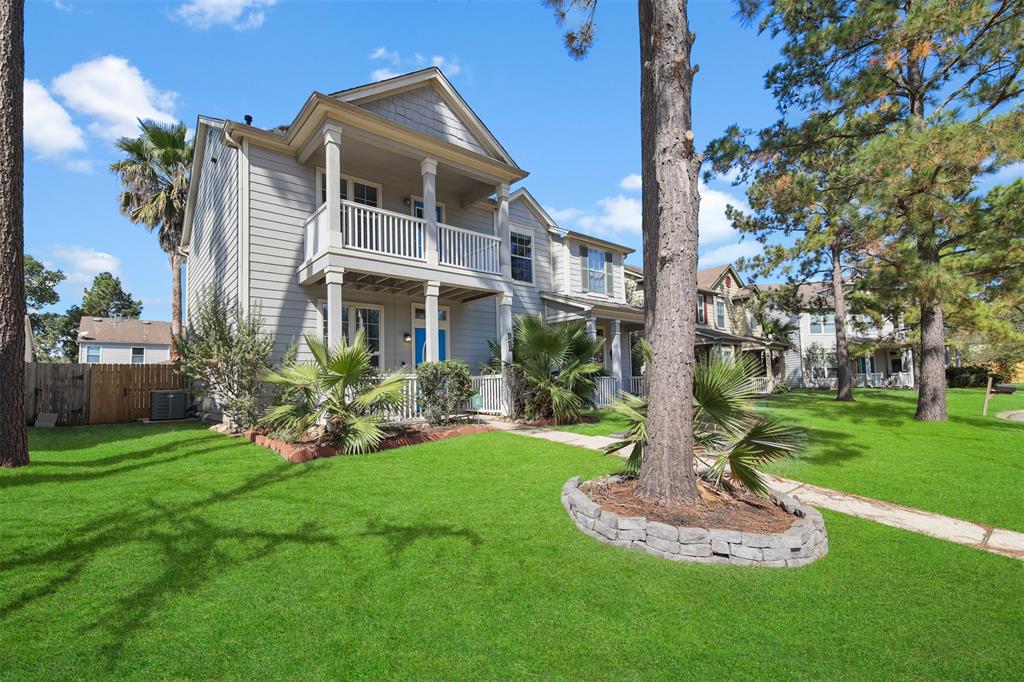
{"points": [[95, 394]]}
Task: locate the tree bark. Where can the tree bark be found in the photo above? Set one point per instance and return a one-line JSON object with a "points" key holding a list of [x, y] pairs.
{"points": [[13, 440], [670, 205], [844, 385], [931, 378], [175, 259]]}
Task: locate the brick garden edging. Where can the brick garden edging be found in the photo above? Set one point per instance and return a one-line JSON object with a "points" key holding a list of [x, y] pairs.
{"points": [[804, 542]]}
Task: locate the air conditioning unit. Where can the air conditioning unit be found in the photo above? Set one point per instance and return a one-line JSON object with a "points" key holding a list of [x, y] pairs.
{"points": [[164, 405]]}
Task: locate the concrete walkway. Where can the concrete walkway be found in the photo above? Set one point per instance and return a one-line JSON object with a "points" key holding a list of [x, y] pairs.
{"points": [[996, 540]]}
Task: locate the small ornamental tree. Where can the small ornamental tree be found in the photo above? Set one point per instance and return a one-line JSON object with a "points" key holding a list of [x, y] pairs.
{"points": [[444, 388], [226, 355]]}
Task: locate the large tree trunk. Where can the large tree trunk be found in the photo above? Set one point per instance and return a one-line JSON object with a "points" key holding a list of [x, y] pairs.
{"points": [[175, 259], [931, 378], [13, 441], [844, 387], [670, 204]]}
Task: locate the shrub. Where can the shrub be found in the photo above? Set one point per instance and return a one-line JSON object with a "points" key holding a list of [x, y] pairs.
{"points": [[970, 376], [338, 397], [226, 355], [444, 388]]}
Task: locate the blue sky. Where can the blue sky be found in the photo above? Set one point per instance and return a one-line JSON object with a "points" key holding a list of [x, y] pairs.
{"points": [[94, 67]]}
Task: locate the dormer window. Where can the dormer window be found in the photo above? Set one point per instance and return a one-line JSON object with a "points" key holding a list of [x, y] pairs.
{"points": [[597, 270]]}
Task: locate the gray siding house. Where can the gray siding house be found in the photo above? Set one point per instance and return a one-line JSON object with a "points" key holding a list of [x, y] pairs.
{"points": [[123, 342], [389, 208]]}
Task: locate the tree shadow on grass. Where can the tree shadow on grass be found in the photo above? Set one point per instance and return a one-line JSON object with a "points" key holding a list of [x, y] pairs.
{"points": [[400, 538], [76, 438], [191, 549], [129, 455]]}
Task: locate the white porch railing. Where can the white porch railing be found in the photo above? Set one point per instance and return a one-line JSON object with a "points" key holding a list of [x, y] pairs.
{"points": [[761, 385], [467, 249], [315, 231], [367, 228], [607, 391], [637, 386], [491, 388], [901, 380]]}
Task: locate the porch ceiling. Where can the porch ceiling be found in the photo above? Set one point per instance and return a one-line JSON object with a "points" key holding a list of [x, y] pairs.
{"points": [[371, 283]]}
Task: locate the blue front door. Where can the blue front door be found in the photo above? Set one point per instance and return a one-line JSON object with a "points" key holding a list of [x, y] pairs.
{"points": [[421, 344]]}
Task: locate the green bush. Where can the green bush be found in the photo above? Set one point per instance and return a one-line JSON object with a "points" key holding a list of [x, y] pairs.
{"points": [[444, 388], [970, 376]]}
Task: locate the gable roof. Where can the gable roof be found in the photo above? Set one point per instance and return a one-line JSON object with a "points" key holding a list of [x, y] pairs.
{"points": [[531, 203], [434, 77], [708, 278], [111, 330]]}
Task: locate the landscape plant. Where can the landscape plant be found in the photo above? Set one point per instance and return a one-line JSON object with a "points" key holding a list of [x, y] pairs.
{"points": [[444, 388], [226, 355], [732, 441], [557, 364], [337, 398]]}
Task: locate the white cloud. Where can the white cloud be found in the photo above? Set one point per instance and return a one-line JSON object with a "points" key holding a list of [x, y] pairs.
{"points": [[383, 74], [619, 214], [49, 130], [79, 165], [715, 227], [728, 253], [632, 182], [388, 55], [81, 264], [399, 64], [62, 6], [563, 215], [240, 15], [114, 93]]}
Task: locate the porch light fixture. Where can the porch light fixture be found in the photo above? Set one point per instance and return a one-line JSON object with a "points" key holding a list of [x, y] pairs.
{"points": [[408, 337]]}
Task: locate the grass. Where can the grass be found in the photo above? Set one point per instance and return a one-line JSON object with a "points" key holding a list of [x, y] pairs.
{"points": [[609, 422], [172, 552], [970, 466]]}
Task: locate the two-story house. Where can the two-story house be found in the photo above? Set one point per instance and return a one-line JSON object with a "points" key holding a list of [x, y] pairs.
{"points": [[880, 354], [388, 208]]}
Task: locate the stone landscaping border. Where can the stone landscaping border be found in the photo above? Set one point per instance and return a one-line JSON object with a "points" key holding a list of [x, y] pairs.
{"points": [[804, 542]]}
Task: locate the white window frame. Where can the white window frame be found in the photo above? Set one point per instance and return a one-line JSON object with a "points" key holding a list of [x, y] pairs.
{"points": [[720, 313], [528, 233], [321, 304], [99, 354], [607, 258], [412, 207], [441, 324], [349, 188], [143, 349], [702, 302], [820, 320]]}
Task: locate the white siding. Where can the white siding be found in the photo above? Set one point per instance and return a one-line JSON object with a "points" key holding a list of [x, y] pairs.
{"points": [[121, 353], [213, 251], [526, 298], [424, 109]]}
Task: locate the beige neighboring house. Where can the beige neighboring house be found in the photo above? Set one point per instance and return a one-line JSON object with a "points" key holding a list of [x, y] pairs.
{"points": [[113, 341]]}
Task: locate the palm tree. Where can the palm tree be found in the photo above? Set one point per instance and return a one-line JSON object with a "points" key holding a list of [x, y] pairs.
{"points": [[339, 392], [557, 363], [13, 440], [732, 442], [154, 179]]}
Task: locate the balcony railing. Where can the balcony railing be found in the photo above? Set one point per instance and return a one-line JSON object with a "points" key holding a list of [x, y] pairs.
{"points": [[375, 230], [467, 249]]}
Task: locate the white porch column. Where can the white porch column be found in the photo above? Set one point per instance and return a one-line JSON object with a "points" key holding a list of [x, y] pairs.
{"points": [[501, 194], [335, 332], [591, 327], [616, 341], [768, 371], [431, 352], [908, 365], [428, 169], [332, 150], [506, 329]]}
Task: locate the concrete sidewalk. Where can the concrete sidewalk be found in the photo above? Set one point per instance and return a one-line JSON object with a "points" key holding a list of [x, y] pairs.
{"points": [[996, 540]]}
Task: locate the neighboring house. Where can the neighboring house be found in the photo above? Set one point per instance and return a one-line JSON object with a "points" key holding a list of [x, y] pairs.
{"points": [[879, 355], [387, 208], [116, 341]]}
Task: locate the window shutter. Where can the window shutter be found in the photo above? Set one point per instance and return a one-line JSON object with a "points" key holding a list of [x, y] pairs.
{"points": [[584, 270], [609, 274]]}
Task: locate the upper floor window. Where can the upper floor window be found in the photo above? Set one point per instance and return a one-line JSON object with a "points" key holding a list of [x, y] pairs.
{"points": [[92, 354], [823, 323], [138, 355], [417, 209], [522, 257], [597, 271], [702, 317], [720, 314], [364, 193]]}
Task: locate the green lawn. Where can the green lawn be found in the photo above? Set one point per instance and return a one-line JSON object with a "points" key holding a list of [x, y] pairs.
{"points": [[172, 552], [610, 422], [970, 467]]}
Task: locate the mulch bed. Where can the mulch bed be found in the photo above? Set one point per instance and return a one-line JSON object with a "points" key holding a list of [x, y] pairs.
{"points": [[399, 436], [743, 512]]}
